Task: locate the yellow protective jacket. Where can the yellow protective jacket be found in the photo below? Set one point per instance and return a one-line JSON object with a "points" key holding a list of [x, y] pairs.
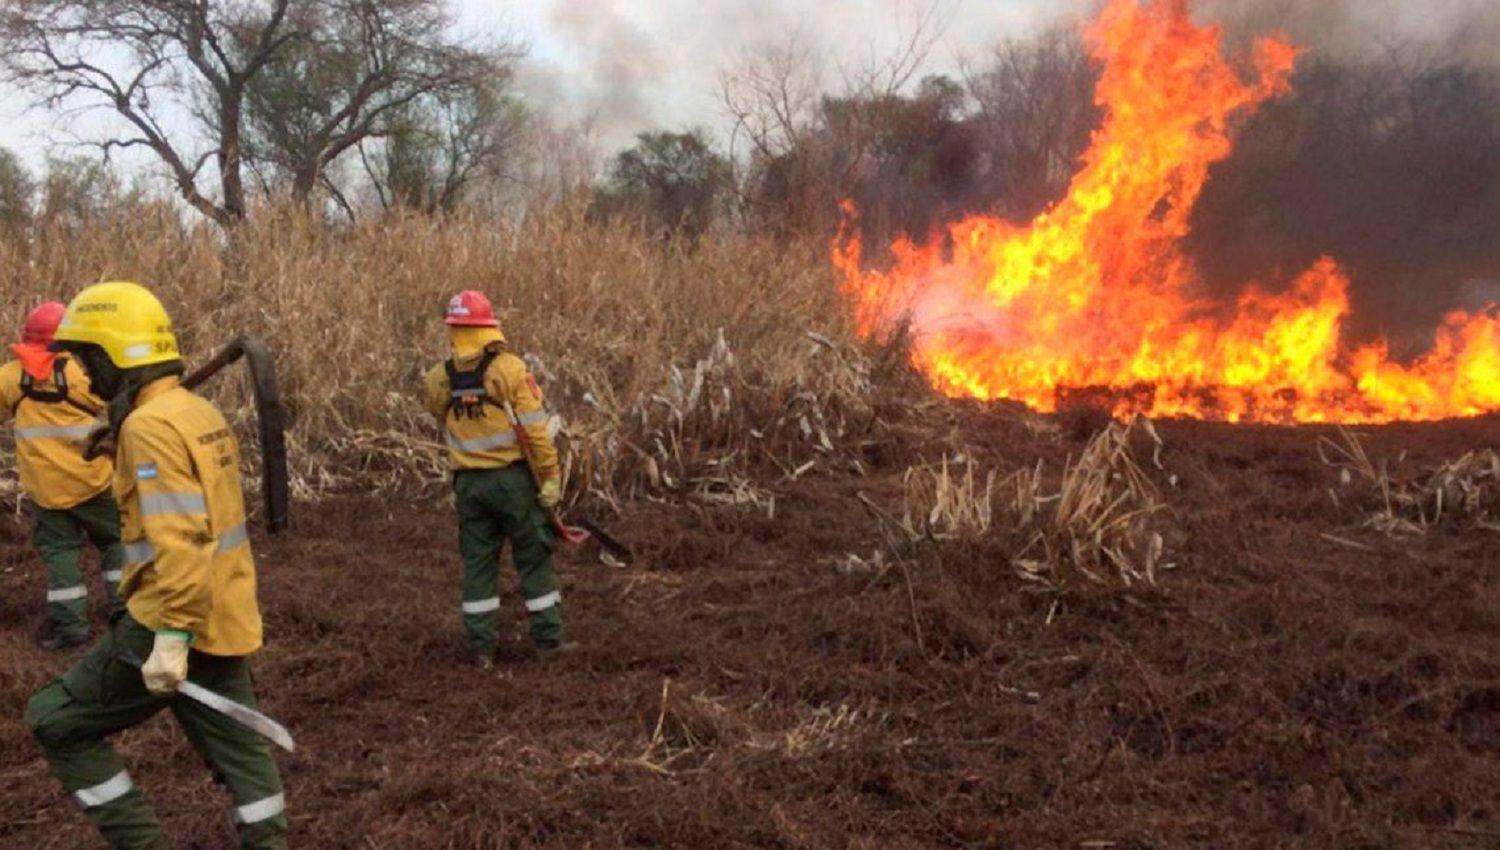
{"points": [[50, 437], [189, 565], [488, 440]]}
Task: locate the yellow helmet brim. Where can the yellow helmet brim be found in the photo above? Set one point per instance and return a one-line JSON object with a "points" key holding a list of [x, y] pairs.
{"points": [[125, 320]]}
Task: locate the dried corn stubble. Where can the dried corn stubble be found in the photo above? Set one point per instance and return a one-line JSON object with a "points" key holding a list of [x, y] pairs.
{"points": [[708, 425], [1104, 523], [1468, 488], [949, 505], [1465, 491], [1100, 522]]}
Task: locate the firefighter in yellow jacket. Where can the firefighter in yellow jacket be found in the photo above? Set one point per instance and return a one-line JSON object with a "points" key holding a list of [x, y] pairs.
{"points": [[188, 588], [506, 475], [48, 395]]}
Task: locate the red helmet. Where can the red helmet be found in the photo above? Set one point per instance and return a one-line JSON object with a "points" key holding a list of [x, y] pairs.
{"points": [[42, 323], [470, 309]]}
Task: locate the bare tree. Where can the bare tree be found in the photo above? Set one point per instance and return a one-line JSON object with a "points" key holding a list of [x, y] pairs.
{"points": [[887, 75], [772, 95], [557, 160], [149, 61], [281, 86], [799, 144], [436, 150], [1035, 111], [359, 70]]}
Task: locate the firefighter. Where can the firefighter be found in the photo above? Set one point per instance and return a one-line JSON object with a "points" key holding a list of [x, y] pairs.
{"points": [[189, 585], [505, 475], [70, 500]]}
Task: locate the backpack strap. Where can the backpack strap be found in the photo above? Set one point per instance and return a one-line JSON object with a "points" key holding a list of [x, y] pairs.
{"points": [[59, 395], [467, 394], [31, 391]]}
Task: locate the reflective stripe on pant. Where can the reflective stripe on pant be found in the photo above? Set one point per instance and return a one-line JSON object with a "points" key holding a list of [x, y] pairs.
{"points": [[59, 537], [496, 505], [101, 695]]}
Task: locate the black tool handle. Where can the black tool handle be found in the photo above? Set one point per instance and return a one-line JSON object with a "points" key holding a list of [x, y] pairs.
{"points": [[270, 422]]}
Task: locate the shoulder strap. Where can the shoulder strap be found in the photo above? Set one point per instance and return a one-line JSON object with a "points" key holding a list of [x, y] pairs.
{"points": [[507, 405], [455, 374], [58, 395], [466, 388], [486, 361]]}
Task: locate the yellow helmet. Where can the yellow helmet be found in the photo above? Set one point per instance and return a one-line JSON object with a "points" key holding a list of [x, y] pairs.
{"points": [[125, 320]]}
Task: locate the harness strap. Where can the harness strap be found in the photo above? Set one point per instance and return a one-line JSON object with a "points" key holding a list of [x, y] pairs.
{"points": [[31, 392], [467, 392]]}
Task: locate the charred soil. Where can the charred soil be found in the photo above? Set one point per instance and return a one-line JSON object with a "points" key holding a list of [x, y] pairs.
{"points": [[1295, 679]]}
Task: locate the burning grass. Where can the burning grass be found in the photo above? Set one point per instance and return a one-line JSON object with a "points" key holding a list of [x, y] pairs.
{"points": [[1096, 295]]}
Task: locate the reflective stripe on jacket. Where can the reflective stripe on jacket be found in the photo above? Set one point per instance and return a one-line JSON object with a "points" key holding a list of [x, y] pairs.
{"points": [[50, 437], [489, 441], [189, 564]]}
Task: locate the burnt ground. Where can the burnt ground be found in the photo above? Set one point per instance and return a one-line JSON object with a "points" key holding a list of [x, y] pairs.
{"points": [[1296, 681]]}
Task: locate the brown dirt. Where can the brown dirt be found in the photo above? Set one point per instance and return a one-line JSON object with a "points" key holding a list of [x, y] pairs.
{"points": [[739, 689]]}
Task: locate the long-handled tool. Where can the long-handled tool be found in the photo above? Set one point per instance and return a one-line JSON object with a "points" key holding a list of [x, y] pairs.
{"points": [[270, 420], [554, 517], [571, 534], [241, 714]]}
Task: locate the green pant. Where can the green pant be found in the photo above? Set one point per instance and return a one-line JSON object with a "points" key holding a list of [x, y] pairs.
{"points": [[59, 537], [102, 695], [495, 505]]}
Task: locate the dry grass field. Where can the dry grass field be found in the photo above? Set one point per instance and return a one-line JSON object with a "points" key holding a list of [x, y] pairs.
{"points": [[662, 357]]}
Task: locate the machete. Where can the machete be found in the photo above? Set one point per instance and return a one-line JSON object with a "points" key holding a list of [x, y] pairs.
{"points": [[241, 714], [607, 541]]}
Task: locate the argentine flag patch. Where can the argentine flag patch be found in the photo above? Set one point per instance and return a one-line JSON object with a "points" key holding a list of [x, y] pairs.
{"points": [[145, 472]]}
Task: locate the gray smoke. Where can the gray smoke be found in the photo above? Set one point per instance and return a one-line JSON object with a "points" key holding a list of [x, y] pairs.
{"points": [[642, 64], [618, 62], [632, 65], [1351, 30]]}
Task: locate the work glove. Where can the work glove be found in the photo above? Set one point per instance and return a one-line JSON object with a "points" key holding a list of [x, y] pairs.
{"points": [[551, 493], [168, 664]]}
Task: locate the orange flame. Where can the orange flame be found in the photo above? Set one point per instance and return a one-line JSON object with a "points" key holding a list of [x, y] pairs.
{"points": [[1093, 296]]}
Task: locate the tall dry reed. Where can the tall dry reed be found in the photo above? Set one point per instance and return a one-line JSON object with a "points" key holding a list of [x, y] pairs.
{"points": [[672, 364]]}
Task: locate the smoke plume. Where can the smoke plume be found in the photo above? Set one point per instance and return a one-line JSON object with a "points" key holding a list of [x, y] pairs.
{"points": [[1351, 30]]}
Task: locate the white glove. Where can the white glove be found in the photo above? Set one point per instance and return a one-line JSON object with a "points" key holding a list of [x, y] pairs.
{"points": [[168, 664]]}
